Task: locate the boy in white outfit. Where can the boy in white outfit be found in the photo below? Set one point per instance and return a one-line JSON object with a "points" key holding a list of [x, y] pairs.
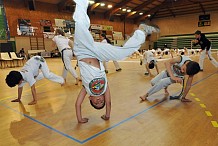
{"points": [[150, 62], [90, 55], [63, 44], [30, 74], [176, 69]]}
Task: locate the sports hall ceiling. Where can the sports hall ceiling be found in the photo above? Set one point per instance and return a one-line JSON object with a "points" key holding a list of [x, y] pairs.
{"points": [[144, 9]]}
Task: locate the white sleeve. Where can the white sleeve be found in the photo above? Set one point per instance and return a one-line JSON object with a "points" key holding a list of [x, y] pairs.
{"points": [[54, 39], [104, 41], [22, 84], [29, 78]]}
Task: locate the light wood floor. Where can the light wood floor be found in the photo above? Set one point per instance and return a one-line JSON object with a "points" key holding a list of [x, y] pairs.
{"points": [[52, 122]]}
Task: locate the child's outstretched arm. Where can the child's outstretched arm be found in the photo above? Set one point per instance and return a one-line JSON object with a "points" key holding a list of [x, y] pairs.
{"points": [[79, 101], [20, 90], [186, 90], [168, 65], [157, 68], [33, 89], [108, 104]]}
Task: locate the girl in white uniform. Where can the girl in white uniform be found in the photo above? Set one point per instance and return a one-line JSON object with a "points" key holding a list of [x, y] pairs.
{"points": [[176, 69], [64, 47], [30, 74], [90, 55]]}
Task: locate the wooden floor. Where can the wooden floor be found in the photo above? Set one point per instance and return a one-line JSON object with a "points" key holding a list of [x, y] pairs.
{"points": [[52, 122]]}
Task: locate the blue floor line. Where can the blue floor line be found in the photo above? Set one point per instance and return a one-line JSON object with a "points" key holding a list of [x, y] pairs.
{"points": [[103, 131]]}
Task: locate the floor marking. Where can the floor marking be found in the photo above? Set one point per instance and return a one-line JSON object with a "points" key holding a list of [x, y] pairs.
{"points": [[203, 105], [197, 99], [192, 94], [103, 131], [214, 123], [208, 113]]}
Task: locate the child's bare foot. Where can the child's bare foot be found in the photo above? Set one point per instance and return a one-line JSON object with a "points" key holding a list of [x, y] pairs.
{"points": [[32, 102], [185, 100], [16, 100], [166, 91], [144, 97], [77, 81]]}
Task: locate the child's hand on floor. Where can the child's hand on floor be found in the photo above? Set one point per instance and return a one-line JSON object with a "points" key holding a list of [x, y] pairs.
{"points": [[104, 117], [83, 120]]}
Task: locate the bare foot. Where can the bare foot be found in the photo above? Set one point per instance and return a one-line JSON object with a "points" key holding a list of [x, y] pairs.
{"points": [[166, 91], [144, 97], [78, 80], [185, 100], [16, 100], [32, 102]]}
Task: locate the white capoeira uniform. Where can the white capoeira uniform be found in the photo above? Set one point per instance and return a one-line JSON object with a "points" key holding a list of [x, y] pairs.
{"points": [[116, 64], [163, 80], [148, 56], [30, 72], [202, 57], [94, 79], [67, 54]]}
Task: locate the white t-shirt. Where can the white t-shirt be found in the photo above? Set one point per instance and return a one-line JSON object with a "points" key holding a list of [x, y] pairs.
{"points": [[104, 41], [176, 68], [94, 79], [61, 42], [148, 57], [31, 70]]}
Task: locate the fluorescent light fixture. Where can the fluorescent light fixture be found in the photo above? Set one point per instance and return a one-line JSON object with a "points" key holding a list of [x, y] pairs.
{"points": [[91, 2], [109, 6], [140, 13], [102, 4], [128, 10], [124, 10]]}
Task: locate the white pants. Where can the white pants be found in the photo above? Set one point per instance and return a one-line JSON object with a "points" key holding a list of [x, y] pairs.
{"points": [[159, 82], [67, 56], [49, 75], [85, 47], [202, 57], [116, 64]]}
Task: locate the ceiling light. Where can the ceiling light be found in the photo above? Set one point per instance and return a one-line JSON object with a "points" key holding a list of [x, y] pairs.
{"points": [[141, 13], [91, 2], [124, 10], [109, 6], [129, 10], [102, 4], [149, 15]]}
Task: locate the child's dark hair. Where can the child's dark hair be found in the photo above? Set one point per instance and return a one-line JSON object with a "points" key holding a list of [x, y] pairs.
{"points": [[151, 64], [98, 108], [105, 37], [13, 78], [192, 68]]}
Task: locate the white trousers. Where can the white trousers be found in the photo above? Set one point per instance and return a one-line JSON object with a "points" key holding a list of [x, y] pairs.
{"points": [[67, 56], [48, 75], [116, 64], [159, 82], [85, 47], [202, 57]]}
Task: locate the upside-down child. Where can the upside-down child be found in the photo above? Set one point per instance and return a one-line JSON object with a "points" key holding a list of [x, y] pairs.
{"points": [[90, 55], [176, 69], [30, 74]]}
